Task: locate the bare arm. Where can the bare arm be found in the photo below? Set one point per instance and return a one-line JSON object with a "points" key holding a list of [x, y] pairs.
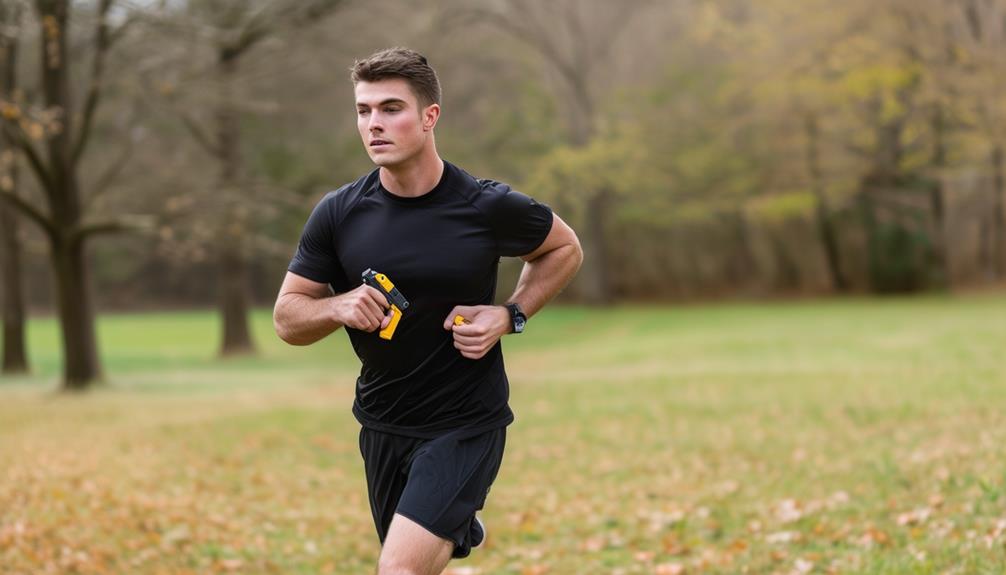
{"points": [[546, 271], [306, 311]]}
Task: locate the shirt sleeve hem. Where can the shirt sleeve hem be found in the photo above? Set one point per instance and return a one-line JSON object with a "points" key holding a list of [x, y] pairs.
{"points": [[546, 230], [308, 273]]}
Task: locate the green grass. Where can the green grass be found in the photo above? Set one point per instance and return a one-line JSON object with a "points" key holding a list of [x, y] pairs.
{"points": [[843, 436]]}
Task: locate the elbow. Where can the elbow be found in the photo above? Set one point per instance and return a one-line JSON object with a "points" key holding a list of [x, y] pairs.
{"points": [[288, 333], [289, 336], [577, 257], [282, 329], [297, 342], [284, 334]]}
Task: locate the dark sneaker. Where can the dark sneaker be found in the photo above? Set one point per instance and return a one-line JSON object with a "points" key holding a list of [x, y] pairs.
{"points": [[478, 533]]}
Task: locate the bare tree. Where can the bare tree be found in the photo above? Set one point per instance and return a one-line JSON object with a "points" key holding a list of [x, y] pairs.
{"points": [[575, 39], [231, 29], [978, 31], [15, 357], [65, 136], [823, 213]]}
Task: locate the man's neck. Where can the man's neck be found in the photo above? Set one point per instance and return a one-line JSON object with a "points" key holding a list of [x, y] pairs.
{"points": [[413, 178]]}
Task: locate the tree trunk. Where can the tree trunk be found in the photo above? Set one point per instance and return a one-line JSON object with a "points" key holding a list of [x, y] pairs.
{"points": [[889, 152], [939, 125], [15, 354], [237, 338], [869, 220], [593, 278], [940, 251], [232, 268], [76, 309], [595, 287], [822, 211], [739, 262], [998, 251], [76, 313]]}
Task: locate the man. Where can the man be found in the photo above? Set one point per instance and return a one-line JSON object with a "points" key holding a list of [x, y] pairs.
{"points": [[432, 400]]}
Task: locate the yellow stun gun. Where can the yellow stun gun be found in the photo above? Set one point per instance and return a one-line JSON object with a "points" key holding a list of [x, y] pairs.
{"points": [[396, 300], [460, 320]]}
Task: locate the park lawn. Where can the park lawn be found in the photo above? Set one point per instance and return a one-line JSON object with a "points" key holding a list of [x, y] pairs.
{"points": [[843, 436]]}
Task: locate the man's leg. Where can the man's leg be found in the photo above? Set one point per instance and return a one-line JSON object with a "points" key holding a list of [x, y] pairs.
{"points": [[410, 549]]}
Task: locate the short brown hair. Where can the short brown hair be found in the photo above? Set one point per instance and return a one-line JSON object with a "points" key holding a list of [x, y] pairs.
{"points": [[403, 63]]}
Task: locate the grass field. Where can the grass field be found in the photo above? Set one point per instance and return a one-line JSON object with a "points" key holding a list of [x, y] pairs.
{"points": [[850, 436]]}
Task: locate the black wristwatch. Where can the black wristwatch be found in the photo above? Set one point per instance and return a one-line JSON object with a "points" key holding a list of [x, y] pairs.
{"points": [[517, 317]]}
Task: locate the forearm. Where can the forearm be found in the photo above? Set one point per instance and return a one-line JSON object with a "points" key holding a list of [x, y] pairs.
{"points": [[300, 319], [544, 277]]}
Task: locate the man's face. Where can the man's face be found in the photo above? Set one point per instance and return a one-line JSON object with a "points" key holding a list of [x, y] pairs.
{"points": [[393, 128]]}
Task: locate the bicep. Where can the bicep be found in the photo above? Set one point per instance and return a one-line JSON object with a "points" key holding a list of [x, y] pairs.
{"points": [[558, 236], [295, 284]]}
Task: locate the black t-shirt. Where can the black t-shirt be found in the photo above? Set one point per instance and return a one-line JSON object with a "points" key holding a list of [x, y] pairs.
{"points": [[440, 250]]}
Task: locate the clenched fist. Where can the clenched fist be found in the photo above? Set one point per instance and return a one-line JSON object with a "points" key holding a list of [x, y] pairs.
{"points": [[362, 308], [486, 325]]}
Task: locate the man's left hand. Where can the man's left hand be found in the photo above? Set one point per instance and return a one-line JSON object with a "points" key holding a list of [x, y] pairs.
{"points": [[486, 325]]}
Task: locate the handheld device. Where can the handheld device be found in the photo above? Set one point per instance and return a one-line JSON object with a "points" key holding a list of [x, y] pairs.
{"points": [[396, 300]]}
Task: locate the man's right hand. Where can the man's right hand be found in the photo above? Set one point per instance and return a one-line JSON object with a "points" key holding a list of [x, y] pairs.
{"points": [[362, 308]]}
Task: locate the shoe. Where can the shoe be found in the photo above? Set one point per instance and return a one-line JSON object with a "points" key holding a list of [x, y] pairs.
{"points": [[478, 533]]}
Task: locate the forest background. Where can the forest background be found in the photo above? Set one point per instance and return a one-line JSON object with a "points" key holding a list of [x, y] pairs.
{"points": [[165, 154]]}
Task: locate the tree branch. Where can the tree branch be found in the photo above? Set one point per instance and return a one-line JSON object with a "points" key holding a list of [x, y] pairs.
{"points": [[30, 211], [102, 42], [267, 20], [539, 43], [200, 135], [111, 173], [191, 125], [108, 177], [17, 137], [258, 27], [858, 150], [314, 12], [125, 223]]}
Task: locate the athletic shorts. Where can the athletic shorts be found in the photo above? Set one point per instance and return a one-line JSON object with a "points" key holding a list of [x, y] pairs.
{"points": [[439, 483]]}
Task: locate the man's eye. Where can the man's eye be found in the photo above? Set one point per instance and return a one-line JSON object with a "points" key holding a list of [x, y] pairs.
{"points": [[392, 110], [362, 112]]}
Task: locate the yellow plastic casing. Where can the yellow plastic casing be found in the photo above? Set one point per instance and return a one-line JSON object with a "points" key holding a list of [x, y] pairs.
{"points": [[385, 282], [460, 320], [396, 315]]}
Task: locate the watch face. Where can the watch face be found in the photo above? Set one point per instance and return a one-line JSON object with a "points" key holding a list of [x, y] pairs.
{"points": [[518, 317]]}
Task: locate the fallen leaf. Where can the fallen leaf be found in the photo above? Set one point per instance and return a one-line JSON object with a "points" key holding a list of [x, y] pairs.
{"points": [[669, 569]]}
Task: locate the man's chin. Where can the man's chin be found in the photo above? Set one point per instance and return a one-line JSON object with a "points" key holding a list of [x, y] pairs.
{"points": [[385, 161]]}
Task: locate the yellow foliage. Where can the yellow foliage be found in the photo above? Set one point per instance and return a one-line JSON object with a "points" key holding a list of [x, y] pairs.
{"points": [[34, 130], [782, 206], [10, 110], [617, 164], [694, 213]]}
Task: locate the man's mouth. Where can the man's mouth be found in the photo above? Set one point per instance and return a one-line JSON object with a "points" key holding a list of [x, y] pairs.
{"points": [[379, 143]]}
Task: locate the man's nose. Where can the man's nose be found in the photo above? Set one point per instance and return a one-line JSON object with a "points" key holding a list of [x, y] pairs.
{"points": [[375, 123]]}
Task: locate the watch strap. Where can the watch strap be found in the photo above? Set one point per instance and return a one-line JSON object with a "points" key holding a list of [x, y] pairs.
{"points": [[518, 320]]}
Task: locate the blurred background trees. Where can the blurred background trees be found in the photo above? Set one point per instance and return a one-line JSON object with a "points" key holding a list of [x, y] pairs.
{"points": [[15, 354], [52, 136], [223, 36], [701, 148]]}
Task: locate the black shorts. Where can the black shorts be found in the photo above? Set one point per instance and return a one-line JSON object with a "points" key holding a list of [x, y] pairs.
{"points": [[439, 483]]}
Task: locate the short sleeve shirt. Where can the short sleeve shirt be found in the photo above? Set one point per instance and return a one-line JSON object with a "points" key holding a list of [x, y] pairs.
{"points": [[440, 249]]}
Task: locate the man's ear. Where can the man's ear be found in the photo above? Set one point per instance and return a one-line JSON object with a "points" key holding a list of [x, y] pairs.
{"points": [[430, 116]]}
